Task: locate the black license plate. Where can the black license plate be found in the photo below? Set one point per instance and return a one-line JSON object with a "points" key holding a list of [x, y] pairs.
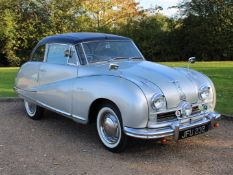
{"points": [[193, 131]]}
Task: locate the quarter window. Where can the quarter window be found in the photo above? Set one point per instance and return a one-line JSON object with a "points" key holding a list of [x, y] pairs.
{"points": [[56, 53], [81, 55], [73, 58], [38, 55]]}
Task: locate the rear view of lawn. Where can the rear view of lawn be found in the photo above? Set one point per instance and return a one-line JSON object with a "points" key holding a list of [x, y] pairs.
{"points": [[221, 73]]}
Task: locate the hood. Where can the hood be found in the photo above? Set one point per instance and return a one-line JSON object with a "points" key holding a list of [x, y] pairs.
{"points": [[176, 84]]}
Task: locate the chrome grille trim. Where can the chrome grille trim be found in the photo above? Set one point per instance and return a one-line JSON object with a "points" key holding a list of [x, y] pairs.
{"points": [[170, 116]]}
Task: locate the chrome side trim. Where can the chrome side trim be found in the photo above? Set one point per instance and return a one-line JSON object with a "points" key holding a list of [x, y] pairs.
{"points": [[66, 114], [29, 90], [172, 130], [52, 108], [77, 117]]}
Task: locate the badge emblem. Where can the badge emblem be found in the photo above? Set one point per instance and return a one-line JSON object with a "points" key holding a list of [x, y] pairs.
{"points": [[179, 89]]}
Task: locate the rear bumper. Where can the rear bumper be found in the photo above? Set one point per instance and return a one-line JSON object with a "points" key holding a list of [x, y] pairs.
{"points": [[173, 129]]}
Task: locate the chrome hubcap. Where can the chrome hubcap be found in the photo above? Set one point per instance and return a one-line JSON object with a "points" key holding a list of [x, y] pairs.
{"points": [[108, 127], [30, 108]]}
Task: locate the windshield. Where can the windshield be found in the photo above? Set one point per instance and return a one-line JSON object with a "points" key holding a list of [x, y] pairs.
{"points": [[98, 51]]}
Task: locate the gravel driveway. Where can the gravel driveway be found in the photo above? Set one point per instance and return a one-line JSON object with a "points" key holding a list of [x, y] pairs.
{"points": [[56, 145]]}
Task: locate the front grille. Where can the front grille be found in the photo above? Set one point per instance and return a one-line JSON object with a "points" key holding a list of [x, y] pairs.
{"points": [[196, 110], [166, 116], [169, 116]]}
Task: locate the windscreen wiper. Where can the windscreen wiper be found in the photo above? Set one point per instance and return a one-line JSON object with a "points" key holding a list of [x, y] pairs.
{"points": [[135, 58], [117, 58]]}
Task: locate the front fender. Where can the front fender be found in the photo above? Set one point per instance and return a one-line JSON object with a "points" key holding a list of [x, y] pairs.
{"points": [[125, 94], [201, 79]]}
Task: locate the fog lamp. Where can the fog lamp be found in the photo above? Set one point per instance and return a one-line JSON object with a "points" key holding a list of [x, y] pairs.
{"points": [[186, 109]]}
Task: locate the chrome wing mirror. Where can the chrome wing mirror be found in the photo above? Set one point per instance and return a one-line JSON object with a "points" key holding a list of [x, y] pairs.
{"points": [[68, 53], [191, 60], [113, 66]]}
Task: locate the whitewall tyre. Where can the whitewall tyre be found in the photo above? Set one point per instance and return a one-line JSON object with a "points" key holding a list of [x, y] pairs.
{"points": [[110, 129], [32, 110]]}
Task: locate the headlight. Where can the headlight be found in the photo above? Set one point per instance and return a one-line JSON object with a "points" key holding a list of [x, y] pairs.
{"points": [[158, 102], [204, 92]]}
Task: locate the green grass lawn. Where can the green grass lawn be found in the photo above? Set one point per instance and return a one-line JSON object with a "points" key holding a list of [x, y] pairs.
{"points": [[221, 73], [7, 81]]}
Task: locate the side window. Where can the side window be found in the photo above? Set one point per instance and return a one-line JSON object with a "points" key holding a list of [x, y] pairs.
{"points": [[56, 54], [38, 55]]}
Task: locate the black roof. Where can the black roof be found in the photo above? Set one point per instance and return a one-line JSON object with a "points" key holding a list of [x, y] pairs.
{"points": [[75, 38]]}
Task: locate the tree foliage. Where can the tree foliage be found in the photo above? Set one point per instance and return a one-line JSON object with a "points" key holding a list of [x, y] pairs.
{"points": [[207, 28], [151, 35], [105, 15], [204, 29]]}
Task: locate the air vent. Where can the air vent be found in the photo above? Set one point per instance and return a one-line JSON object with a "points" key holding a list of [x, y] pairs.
{"points": [[168, 116]]}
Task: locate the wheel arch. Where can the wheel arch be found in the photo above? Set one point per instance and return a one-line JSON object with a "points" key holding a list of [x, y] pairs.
{"points": [[95, 106], [92, 91]]}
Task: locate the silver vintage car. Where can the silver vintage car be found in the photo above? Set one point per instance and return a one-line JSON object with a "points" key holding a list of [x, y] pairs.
{"points": [[104, 78]]}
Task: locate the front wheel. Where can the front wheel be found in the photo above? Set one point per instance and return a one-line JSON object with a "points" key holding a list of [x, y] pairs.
{"points": [[33, 111], [110, 129]]}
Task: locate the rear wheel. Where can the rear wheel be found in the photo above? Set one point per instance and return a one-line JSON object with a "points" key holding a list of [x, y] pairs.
{"points": [[33, 111], [110, 129]]}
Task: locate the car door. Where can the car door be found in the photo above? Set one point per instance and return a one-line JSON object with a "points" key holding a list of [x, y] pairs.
{"points": [[56, 76]]}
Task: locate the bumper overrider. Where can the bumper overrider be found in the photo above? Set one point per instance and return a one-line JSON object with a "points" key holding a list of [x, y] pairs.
{"points": [[174, 128]]}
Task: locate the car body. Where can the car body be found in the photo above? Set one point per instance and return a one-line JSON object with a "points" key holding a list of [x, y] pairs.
{"points": [[104, 78]]}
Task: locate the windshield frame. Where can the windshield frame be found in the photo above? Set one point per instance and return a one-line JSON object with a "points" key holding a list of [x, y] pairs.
{"points": [[87, 62]]}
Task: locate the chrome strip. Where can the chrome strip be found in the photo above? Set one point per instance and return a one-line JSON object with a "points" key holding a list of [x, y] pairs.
{"points": [[175, 109], [84, 53], [193, 118], [16, 89], [80, 118], [176, 128], [46, 53], [148, 133], [52, 108], [66, 114], [61, 112], [77, 57], [138, 50]]}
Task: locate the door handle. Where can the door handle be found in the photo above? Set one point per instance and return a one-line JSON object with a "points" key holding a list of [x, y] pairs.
{"points": [[42, 70]]}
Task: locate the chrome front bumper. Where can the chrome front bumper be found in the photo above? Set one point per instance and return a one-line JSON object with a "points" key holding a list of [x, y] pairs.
{"points": [[173, 129]]}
